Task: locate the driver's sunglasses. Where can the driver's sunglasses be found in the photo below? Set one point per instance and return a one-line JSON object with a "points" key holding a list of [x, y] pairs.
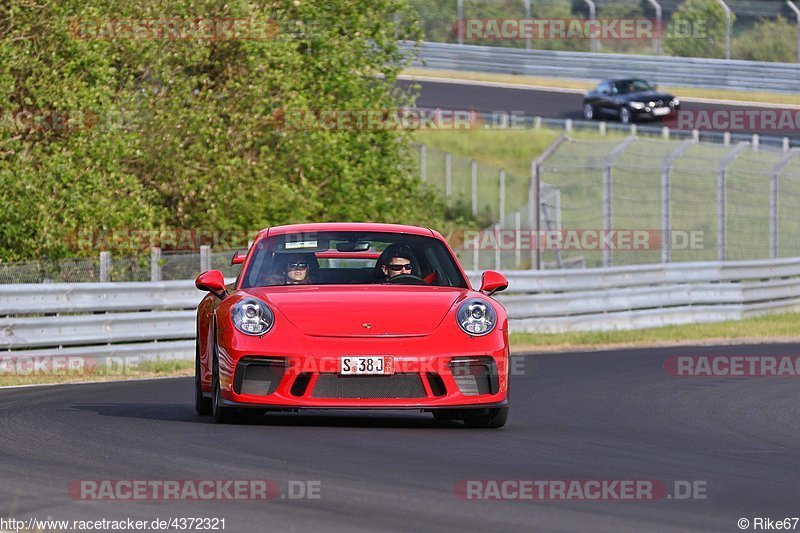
{"points": [[298, 266], [398, 268]]}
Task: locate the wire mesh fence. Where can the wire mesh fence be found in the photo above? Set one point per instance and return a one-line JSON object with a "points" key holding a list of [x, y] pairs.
{"points": [[643, 200]]}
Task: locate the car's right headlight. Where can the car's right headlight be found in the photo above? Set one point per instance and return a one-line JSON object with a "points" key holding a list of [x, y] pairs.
{"points": [[637, 105], [252, 316], [476, 317]]}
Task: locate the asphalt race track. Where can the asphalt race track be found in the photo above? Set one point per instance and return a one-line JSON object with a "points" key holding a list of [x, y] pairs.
{"points": [[604, 415], [550, 103]]}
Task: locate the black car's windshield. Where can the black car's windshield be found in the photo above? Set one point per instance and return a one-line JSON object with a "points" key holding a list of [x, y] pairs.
{"points": [[632, 86], [345, 257]]}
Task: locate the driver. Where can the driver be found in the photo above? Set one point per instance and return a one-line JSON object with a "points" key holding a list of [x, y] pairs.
{"points": [[398, 260]]}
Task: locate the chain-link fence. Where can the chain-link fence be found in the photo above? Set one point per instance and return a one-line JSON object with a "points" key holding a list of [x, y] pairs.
{"points": [[106, 266], [644, 200]]}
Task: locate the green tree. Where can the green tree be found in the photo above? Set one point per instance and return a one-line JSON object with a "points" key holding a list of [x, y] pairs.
{"points": [[768, 40], [697, 29], [199, 146]]}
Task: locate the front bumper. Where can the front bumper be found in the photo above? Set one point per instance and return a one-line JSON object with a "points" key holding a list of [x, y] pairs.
{"points": [[427, 382], [654, 113]]}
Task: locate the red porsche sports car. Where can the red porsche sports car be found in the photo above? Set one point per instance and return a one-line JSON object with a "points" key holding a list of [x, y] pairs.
{"points": [[352, 316]]}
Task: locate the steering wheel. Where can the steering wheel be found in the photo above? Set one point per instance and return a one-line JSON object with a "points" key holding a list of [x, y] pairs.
{"points": [[406, 279]]}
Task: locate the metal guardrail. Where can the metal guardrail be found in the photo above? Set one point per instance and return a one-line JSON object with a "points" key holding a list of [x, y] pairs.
{"points": [[682, 71], [157, 320]]}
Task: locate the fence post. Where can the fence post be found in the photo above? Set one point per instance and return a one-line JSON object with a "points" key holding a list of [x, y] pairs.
{"points": [[607, 190], [105, 266], [602, 128], [448, 176], [205, 258], [755, 141], [535, 198], [722, 201], [501, 216], [726, 138], [155, 264], [794, 8], [666, 194], [659, 29], [497, 262], [474, 168], [773, 202], [517, 239], [727, 28], [423, 162], [460, 17], [665, 132], [592, 17], [527, 17]]}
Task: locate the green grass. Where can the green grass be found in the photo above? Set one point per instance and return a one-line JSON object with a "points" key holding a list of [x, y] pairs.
{"points": [[145, 369], [783, 326]]}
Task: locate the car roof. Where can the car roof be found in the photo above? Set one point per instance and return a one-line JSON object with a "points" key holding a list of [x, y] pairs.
{"points": [[348, 226]]}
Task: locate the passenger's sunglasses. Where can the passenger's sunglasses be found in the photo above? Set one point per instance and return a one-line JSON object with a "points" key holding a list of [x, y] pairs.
{"points": [[398, 268], [298, 266]]}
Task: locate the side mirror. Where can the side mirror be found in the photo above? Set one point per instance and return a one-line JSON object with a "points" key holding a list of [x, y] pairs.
{"points": [[238, 258], [492, 282], [213, 282]]}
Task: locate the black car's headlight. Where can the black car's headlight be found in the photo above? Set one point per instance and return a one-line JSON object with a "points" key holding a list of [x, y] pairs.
{"points": [[252, 316], [476, 317], [637, 105], [675, 102]]}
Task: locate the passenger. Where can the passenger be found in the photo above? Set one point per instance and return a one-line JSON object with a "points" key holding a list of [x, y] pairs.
{"points": [[295, 272]]}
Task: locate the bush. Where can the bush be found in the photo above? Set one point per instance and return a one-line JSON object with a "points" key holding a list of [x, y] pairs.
{"points": [[768, 40], [198, 147], [697, 29]]}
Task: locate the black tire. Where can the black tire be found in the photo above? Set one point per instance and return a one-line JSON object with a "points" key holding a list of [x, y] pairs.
{"points": [[221, 414], [201, 404], [588, 112], [625, 115], [495, 418]]}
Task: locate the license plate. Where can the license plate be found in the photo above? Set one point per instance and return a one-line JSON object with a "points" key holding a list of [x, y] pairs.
{"points": [[352, 365], [661, 111]]}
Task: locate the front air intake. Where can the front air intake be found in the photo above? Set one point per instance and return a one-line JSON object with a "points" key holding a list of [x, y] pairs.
{"points": [[475, 375], [258, 377], [369, 387]]}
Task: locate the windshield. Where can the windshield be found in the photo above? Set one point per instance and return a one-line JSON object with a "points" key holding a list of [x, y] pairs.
{"points": [[345, 257], [632, 86]]}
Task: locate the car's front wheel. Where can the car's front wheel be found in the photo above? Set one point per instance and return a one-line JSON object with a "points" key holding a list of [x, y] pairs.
{"points": [[201, 404], [588, 111], [494, 418], [221, 414]]}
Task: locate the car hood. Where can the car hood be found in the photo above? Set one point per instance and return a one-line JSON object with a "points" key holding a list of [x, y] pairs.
{"points": [[646, 96], [368, 311]]}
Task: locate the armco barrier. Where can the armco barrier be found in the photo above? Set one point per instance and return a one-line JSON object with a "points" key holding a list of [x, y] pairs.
{"points": [[157, 320], [681, 71]]}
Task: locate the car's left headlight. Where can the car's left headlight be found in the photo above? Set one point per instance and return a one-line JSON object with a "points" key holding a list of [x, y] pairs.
{"points": [[637, 105], [252, 316], [476, 317], [675, 102]]}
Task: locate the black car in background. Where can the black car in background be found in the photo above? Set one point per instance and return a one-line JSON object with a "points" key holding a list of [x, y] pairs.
{"points": [[629, 100]]}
